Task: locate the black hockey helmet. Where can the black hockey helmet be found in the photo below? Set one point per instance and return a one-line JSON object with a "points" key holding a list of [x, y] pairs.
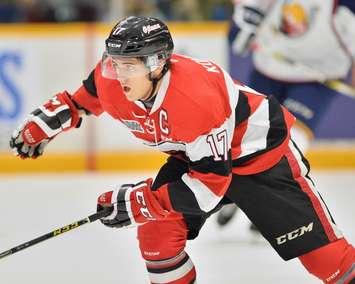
{"points": [[143, 37], [140, 37]]}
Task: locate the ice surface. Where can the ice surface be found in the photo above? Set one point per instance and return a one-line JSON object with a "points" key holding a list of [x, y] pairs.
{"points": [[31, 205]]}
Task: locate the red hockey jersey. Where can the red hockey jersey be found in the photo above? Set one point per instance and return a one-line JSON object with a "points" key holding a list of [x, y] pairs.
{"points": [[220, 127]]}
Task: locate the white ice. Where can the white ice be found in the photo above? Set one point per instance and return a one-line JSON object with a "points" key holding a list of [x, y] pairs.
{"points": [[93, 254]]}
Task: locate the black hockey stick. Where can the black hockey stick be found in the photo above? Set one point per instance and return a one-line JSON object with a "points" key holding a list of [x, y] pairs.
{"points": [[92, 218]]}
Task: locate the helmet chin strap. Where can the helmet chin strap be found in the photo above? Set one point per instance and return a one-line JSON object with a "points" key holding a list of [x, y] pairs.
{"points": [[156, 80]]}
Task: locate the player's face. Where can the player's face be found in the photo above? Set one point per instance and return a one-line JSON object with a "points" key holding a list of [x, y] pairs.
{"points": [[133, 76]]}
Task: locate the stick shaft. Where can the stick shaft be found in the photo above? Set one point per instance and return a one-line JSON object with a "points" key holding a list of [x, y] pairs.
{"points": [[57, 232], [334, 84], [337, 85]]}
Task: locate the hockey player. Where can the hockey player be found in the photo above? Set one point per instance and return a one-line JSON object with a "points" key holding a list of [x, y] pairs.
{"points": [[295, 46], [227, 144]]}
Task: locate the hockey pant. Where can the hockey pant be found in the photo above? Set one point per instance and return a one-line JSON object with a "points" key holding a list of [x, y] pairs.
{"points": [[284, 205]]}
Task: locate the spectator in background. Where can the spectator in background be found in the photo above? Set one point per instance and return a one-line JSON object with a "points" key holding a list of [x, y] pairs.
{"points": [[181, 10], [165, 7], [187, 10], [216, 10], [88, 11], [36, 11], [202, 10], [9, 11], [51, 10], [144, 8], [76, 10]]}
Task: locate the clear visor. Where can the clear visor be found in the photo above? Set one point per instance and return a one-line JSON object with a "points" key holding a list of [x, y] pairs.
{"points": [[121, 67]]}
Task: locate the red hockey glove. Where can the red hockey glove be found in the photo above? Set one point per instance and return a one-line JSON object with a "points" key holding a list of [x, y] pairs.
{"points": [[56, 115], [132, 204]]}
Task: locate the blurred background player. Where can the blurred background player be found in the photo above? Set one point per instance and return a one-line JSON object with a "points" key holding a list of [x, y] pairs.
{"points": [[295, 46]]}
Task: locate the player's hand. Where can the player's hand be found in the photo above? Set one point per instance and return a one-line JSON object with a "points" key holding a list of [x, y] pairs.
{"points": [[43, 124], [248, 20], [132, 204], [24, 145]]}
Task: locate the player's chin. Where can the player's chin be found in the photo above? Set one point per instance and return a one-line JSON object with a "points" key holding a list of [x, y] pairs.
{"points": [[130, 95], [132, 98]]}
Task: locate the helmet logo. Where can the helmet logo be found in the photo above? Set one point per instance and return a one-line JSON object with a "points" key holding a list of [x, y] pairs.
{"points": [[148, 29], [116, 45], [118, 30]]}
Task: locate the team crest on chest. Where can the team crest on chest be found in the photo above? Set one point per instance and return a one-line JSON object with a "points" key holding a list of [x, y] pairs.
{"points": [[133, 125]]}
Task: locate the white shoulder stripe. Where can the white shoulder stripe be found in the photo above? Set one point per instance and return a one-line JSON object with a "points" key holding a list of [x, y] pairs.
{"points": [[232, 90]]}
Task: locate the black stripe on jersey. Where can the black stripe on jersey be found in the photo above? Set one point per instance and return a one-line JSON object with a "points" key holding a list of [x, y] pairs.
{"points": [[90, 85], [242, 110], [170, 268], [209, 165], [122, 213], [277, 132], [278, 129], [182, 198], [171, 171]]}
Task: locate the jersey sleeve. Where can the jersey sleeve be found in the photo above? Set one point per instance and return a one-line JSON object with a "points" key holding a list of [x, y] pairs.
{"points": [[210, 173], [87, 95], [210, 167]]}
